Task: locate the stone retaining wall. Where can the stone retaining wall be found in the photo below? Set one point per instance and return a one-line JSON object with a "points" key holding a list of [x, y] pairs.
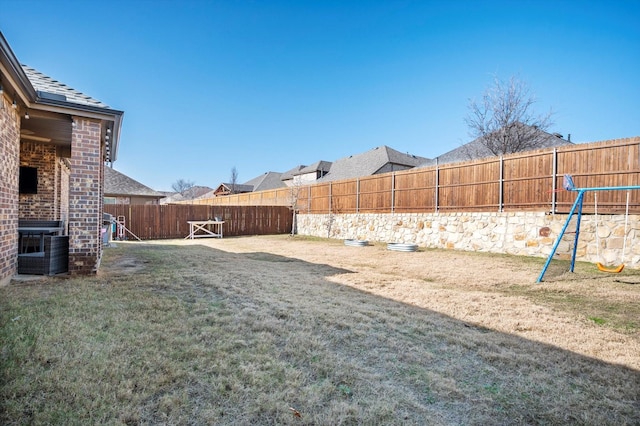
{"points": [[519, 233]]}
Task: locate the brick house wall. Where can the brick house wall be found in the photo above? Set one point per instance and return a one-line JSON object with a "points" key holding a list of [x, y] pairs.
{"points": [[85, 196], [10, 149], [43, 205]]}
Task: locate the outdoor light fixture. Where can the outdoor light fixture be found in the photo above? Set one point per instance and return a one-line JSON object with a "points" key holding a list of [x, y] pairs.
{"points": [[26, 115], [1, 91], [108, 129], [15, 104]]}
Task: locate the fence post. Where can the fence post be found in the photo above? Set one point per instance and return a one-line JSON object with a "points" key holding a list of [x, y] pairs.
{"points": [[554, 184], [393, 191], [501, 189], [357, 195], [437, 200]]}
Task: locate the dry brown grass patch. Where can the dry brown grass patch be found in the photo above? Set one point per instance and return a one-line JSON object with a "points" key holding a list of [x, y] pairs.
{"points": [[239, 331]]}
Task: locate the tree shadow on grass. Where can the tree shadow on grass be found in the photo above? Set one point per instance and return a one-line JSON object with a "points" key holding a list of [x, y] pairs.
{"points": [[267, 333]]}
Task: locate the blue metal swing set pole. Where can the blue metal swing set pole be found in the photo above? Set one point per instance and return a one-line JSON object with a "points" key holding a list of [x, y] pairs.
{"points": [[577, 205]]}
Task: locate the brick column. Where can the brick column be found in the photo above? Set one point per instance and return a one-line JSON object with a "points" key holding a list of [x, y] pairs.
{"points": [[85, 197], [63, 190], [9, 172]]}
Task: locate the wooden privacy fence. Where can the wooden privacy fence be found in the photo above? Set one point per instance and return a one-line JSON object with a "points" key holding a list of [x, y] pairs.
{"points": [[524, 181], [150, 222]]}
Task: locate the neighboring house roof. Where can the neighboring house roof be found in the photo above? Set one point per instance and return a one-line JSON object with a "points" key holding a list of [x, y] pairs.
{"points": [[238, 188], [319, 166], [381, 159], [119, 184], [476, 149], [289, 174], [209, 194], [190, 194], [268, 180]]}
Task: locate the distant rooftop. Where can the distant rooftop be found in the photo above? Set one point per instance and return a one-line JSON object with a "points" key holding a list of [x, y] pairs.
{"points": [[381, 159], [268, 180], [116, 183], [475, 149]]}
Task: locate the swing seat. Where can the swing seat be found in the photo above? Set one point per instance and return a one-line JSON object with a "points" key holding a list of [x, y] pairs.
{"points": [[612, 270]]}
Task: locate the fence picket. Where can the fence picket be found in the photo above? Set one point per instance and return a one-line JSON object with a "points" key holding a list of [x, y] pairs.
{"points": [[521, 181], [170, 221]]}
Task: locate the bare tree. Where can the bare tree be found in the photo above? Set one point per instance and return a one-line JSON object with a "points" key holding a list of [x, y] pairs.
{"points": [[234, 179], [182, 185], [294, 196], [504, 121]]}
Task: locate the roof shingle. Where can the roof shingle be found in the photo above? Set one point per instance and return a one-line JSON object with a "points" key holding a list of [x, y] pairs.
{"points": [[118, 184], [46, 84], [476, 150], [381, 159]]}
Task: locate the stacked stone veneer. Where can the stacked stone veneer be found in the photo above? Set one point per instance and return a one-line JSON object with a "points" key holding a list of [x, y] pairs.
{"points": [[519, 233], [85, 196], [9, 160]]}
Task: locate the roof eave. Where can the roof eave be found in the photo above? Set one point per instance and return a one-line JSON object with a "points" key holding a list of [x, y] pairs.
{"points": [[15, 73], [12, 70], [90, 111]]}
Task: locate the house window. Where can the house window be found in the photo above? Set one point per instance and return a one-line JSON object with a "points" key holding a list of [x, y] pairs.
{"points": [[109, 200], [28, 180]]}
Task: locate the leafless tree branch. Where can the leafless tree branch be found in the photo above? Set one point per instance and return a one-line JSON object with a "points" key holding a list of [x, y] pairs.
{"points": [[503, 120], [181, 186]]}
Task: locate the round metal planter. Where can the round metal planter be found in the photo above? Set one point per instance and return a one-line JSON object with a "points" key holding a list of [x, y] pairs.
{"points": [[356, 243], [402, 247]]}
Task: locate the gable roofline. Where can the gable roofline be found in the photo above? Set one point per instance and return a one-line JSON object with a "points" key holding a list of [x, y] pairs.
{"points": [[475, 149], [239, 187], [370, 162], [266, 181], [289, 174], [12, 70], [118, 184], [318, 166]]}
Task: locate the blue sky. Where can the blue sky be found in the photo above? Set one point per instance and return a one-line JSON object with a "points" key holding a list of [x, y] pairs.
{"points": [[266, 85]]}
